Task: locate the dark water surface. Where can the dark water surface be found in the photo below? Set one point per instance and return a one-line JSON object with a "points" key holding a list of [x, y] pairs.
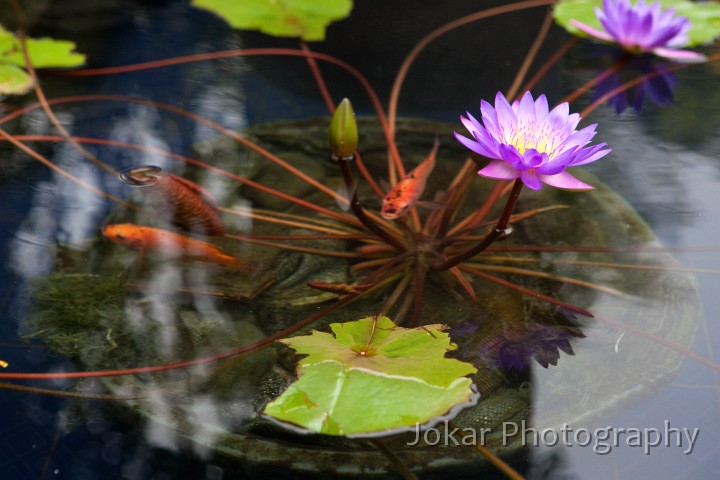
{"points": [[665, 164]]}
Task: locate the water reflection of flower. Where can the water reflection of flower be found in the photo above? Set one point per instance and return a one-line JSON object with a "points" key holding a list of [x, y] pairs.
{"points": [[642, 28], [658, 86], [514, 347], [526, 140]]}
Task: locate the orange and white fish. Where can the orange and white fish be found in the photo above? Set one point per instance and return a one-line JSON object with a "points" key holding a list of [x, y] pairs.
{"points": [[193, 208], [170, 244], [404, 196]]}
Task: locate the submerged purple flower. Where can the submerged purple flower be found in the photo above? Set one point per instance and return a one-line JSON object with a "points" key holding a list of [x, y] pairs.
{"points": [[642, 28], [527, 141]]}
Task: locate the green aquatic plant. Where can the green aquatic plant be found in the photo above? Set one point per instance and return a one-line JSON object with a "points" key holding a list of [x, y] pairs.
{"points": [[306, 19], [43, 53], [395, 261], [373, 379]]}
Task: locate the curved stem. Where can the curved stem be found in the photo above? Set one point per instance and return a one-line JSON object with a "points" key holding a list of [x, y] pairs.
{"points": [[526, 291], [532, 53], [63, 172], [358, 209], [471, 221], [546, 66], [558, 278], [41, 94], [255, 52], [591, 83], [251, 347], [490, 237], [420, 46], [322, 86], [191, 161]]}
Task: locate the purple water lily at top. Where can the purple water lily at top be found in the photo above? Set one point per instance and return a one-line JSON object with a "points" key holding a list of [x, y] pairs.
{"points": [[528, 141], [643, 28]]}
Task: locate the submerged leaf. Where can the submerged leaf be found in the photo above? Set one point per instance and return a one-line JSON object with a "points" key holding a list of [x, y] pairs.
{"points": [[349, 386], [306, 19]]}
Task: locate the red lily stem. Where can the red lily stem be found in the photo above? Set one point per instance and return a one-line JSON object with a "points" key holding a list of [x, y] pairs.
{"points": [[391, 266], [526, 291], [546, 66], [366, 175], [394, 460], [456, 194], [255, 52], [591, 83], [490, 237], [583, 248], [66, 394], [420, 46], [296, 248], [301, 238], [249, 348], [471, 221], [322, 86], [358, 209], [69, 176], [192, 161], [421, 270], [399, 290], [20, 16], [499, 463], [532, 53]]}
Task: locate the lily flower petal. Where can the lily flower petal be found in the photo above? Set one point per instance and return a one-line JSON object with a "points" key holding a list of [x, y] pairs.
{"points": [[527, 141], [565, 181], [687, 56], [641, 28], [593, 32]]}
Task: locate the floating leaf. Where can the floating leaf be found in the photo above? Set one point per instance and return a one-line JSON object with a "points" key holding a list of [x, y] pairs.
{"points": [[14, 80], [350, 387], [704, 17], [43, 53], [282, 18]]}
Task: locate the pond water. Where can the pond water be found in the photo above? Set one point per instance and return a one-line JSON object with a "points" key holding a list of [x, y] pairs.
{"points": [[652, 380]]}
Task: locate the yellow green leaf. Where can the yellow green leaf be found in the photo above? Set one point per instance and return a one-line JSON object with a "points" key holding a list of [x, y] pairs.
{"points": [[306, 19], [363, 384], [14, 80]]}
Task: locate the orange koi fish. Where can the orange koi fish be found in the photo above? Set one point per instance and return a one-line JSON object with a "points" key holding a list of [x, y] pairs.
{"points": [[169, 244], [193, 207], [404, 196]]}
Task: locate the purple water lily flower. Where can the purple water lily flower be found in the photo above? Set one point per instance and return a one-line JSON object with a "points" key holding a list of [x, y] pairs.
{"points": [[527, 141], [642, 28]]}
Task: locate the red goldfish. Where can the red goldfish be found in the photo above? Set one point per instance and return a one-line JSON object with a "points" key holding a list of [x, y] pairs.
{"points": [[171, 244], [404, 196], [192, 206]]}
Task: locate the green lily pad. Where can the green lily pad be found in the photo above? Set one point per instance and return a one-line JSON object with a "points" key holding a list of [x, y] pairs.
{"points": [[43, 52], [705, 17], [396, 381], [14, 80], [306, 19]]}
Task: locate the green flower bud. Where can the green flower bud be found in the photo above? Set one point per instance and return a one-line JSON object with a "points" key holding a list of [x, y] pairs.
{"points": [[343, 132]]}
